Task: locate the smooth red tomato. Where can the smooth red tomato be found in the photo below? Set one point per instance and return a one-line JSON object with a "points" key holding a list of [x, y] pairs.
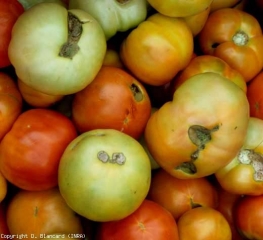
{"points": [[114, 99], [41, 212], [9, 12], [209, 63], [203, 223], [236, 37], [157, 49], [226, 205], [248, 217], [30, 152], [181, 195], [11, 103], [254, 95], [149, 222]]}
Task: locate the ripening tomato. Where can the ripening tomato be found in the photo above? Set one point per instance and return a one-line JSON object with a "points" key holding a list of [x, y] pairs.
{"points": [[248, 217], [41, 212], [203, 223], [157, 49], [201, 129], [254, 95], [30, 152], [114, 99], [244, 174], [180, 195], [3, 187], [149, 222], [11, 103], [236, 37], [218, 4], [9, 12], [209, 63], [179, 8]]}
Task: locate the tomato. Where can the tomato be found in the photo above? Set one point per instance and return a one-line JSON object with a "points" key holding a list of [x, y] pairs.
{"points": [[180, 8], [31, 150], [195, 136], [11, 103], [36, 98], [9, 12], [226, 205], [181, 195], [3, 224], [209, 63], [149, 222], [114, 15], [248, 217], [69, 62], [104, 175], [35, 213], [203, 223], [112, 58], [3, 187], [157, 49], [30, 3], [236, 37], [114, 99], [219, 4], [254, 95], [243, 175]]}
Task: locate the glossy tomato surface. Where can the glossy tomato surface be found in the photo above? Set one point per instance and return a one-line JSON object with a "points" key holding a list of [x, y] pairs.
{"points": [[149, 222], [31, 150]]}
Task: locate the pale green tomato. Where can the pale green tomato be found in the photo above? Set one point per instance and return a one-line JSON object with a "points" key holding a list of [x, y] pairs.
{"points": [[104, 175], [114, 15], [30, 3], [56, 51]]}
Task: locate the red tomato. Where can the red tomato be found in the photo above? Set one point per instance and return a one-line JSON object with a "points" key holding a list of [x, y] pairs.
{"points": [[254, 95], [203, 223], [181, 195], [10, 103], [41, 212], [9, 12], [114, 99], [236, 37], [249, 217], [30, 152], [149, 222]]}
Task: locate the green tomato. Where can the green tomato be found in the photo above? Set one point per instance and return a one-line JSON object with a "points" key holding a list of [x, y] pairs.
{"points": [[114, 15], [104, 175], [56, 51]]}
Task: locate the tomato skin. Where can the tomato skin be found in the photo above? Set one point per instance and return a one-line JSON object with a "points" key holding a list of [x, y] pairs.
{"points": [[149, 222], [41, 212], [9, 12], [31, 150], [10, 103], [181, 195], [248, 217], [203, 223], [236, 37], [254, 95], [157, 49], [110, 102], [209, 63]]}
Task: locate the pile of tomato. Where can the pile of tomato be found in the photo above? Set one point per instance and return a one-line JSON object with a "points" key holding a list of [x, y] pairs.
{"points": [[131, 120]]}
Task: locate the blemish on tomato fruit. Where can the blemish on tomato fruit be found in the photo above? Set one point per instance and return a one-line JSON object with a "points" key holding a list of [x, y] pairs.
{"points": [[187, 167], [118, 157], [141, 226], [137, 93], [240, 38], [250, 157], [70, 48]]}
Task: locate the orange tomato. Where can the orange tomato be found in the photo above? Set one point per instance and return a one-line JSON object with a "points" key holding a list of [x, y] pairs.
{"points": [[218, 4], [236, 37], [41, 212], [180, 195], [114, 99], [254, 95], [3, 187], [157, 49]]}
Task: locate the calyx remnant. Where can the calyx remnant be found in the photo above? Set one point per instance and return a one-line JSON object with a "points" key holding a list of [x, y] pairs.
{"points": [[70, 48], [199, 136], [118, 158]]}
